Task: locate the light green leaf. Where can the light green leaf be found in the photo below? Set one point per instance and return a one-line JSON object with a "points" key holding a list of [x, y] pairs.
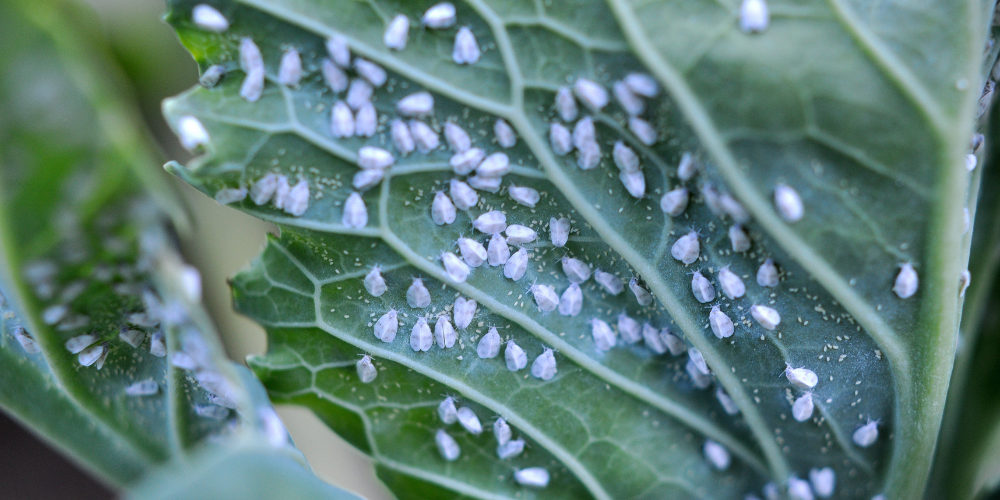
{"points": [[874, 147], [88, 252]]}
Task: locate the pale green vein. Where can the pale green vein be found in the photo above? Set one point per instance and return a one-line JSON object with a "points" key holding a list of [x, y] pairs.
{"points": [[564, 31]]}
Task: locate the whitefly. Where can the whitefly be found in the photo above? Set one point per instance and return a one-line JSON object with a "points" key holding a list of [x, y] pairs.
{"points": [[374, 282], [722, 325], [560, 139], [358, 93], [463, 195], [604, 336], [442, 209], [457, 270], [439, 16], [642, 296], [424, 136], [631, 102], [643, 130], [686, 248], [416, 104], [366, 120], [444, 333], [516, 359], [366, 370], [370, 71], [366, 179], [629, 329], [355, 212], [421, 339], [498, 252], [208, 18], [397, 33], [334, 76], [418, 296], [524, 195], [447, 446], [565, 104], [516, 265], [339, 50], [472, 251], [544, 366], [545, 297], [591, 93], [464, 310], [466, 49], [387, 326], [519, 235], [575, 269], [458, 139], [489, 345], [290, 70], [558, 230], [447, 411], [731, 283], [505, 135], [402, 139], [571, 301]]}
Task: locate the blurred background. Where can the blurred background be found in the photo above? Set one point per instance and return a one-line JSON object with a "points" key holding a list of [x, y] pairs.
{"points": [[223, 241]]}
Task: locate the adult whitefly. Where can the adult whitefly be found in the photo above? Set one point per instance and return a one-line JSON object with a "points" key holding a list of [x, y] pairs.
{"points": [[727, 403], [297, 200], [823, 481], [439, 16], [866, 435], [334, 76], [545, 297], [402, 139], [366, 121], [465, 162], [253, 66], [374, 282], [686, 248], [464, 310], [374, 157], [584, 132], [387, 326], [191, 132], [609, 282], [970, 162], [447, 411], [631, 102], [424, 136], [482, 183], [210, 78], [366, 179], [560, 139], [544, 366], [90, 355], [589, 156], [230, 195], [629, 329], [519, 235], [566, 104], [674, 344], [416, 104], [634, 182], [208, 18], [688, 166], [489, 345], [625, 158], [558, 231], [79, 343], [444, 333], [466, 49], [421, 339], [442, 210], [516, 265], [767, 274], [642, 84], [771, 492], [575, 269], [397, 33], [505, 135], [370, 71], [510, 449], [799, 489], [722, 325], [698, 359], [490, 222], [146, 387], [733, 208], [366, 370], [290, 70], [457, 270], [417, 296], [591, 93], [906, 281], [699, 379], [447, 446], [281, 192], [501, 429], [642, 130], [717, 455], [788, 203], [803, 408], [754, 16], [524, 195], [355, 212], [571, 301], [339, 50], [458, 139], [498, 252], [494, 165], [651, 336], [765, 316], [359, 92], [534, 477], [963, 282], [604, 336], [463, 195], [515, 358], [802, 378], [976, 141], [642, 296], [131, 337], [732, 285], [157, 344], [472, 251], [738, 238]]}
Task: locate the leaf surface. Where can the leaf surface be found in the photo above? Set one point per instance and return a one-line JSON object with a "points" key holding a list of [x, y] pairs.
{"points": [[872, 146]]}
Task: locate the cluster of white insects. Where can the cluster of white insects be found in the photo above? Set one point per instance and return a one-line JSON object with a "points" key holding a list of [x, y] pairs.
{"points": [[356, 116]]}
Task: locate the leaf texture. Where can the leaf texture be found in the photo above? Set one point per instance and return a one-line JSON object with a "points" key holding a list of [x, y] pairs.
{"points": [[872, 146]]}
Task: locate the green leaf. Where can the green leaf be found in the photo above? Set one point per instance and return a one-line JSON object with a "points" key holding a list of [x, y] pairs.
{"points": [[828, 101], [87, 250]]}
